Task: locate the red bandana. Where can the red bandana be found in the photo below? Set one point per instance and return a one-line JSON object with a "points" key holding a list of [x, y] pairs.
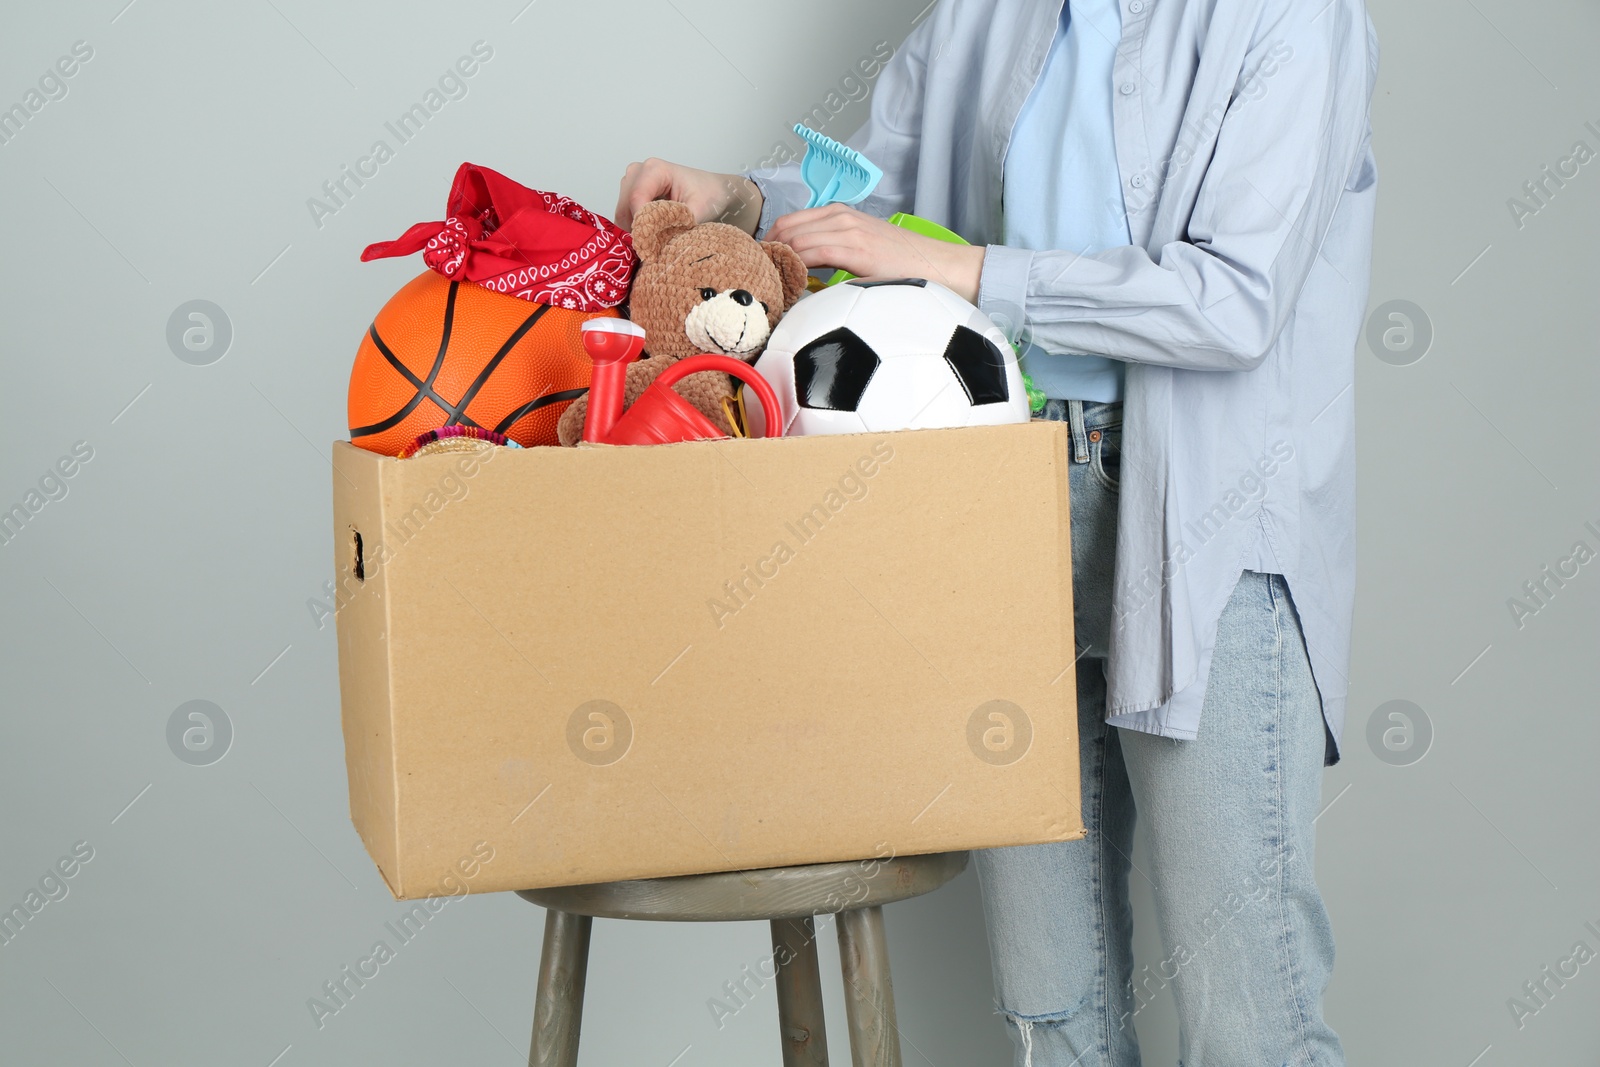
{"points": [[512, 239]]}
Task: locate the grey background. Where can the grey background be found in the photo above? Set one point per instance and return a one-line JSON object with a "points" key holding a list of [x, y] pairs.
{"points": [[179, 564]]}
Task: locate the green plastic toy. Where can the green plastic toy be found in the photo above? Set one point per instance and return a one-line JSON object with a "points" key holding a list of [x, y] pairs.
{"points": [[1036, 397]]}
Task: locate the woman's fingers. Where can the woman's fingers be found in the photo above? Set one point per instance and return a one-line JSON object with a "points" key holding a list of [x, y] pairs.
{"points": [[642, 182], [812, 219], [709, 195], [837, 236], [824, 255], [813, 241], [844, 238]]}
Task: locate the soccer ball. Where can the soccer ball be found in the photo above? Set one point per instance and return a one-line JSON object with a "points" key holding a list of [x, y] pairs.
{"points": [[871, 356]]}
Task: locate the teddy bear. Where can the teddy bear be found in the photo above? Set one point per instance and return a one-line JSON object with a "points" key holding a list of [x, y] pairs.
{"points": [[700, 287]]}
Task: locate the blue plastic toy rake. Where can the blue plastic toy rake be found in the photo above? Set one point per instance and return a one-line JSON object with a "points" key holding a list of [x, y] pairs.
{"points": [[835, 174]]}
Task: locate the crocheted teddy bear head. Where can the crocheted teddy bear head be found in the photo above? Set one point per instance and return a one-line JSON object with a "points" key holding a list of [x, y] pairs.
{"points": [[708, 287]]}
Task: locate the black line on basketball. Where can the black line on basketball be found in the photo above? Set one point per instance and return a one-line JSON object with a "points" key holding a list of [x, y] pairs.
{"points": [[424, 387], [534, 405], [394, 361], [444, 334], [423, 392], [489, 368]]}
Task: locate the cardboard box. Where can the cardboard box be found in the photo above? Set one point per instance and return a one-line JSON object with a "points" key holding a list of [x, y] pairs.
{"points": [[577, 665]]}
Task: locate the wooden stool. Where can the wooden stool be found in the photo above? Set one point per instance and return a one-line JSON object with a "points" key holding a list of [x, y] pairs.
{"points": [[787, 897]]}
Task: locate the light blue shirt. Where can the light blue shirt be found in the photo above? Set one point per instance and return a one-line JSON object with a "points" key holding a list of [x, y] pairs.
{"points": [[1062, 189], [1244, 153]]}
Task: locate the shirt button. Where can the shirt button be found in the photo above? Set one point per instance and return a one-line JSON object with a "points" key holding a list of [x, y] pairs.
{"points": [[1127, 88], [1136, 7], [1137, 181]]}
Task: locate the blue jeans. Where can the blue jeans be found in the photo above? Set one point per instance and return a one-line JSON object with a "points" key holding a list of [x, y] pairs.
{"points": [[1247, 949]]}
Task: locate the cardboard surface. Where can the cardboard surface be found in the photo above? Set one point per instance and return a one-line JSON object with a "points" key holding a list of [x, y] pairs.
{"points": [[611, 662]]}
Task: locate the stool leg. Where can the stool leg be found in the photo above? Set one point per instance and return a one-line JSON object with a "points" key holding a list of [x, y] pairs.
{"points": [[800, 1021], [558, 1006], [868, 993]]}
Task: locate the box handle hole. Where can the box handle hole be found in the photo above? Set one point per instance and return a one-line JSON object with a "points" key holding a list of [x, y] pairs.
{"points": [[357, 563]]}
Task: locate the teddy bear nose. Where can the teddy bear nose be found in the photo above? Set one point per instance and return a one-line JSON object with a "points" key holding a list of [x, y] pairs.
{"points": [[742, 298]]}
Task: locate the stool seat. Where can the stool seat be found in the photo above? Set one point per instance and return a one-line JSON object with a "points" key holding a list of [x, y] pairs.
{"points": [[787, 898], [766, 893]]}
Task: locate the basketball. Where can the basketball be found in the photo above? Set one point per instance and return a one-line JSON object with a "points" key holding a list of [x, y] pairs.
{"points": [[443, 353]]}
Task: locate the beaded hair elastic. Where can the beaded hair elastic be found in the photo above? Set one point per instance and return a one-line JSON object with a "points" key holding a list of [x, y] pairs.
{"points": [[454, 439]]}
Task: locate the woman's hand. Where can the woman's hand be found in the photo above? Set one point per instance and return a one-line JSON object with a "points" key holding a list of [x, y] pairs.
{"points": [[842, 237], [712, 197]]}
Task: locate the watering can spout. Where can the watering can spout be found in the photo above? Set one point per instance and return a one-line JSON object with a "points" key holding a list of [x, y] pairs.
{"points": [[612, 344]]}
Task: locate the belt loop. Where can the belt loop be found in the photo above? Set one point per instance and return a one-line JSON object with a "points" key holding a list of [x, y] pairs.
{"points": [[1080, 436]]}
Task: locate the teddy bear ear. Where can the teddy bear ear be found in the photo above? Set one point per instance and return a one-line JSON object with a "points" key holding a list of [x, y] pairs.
{"points": [[791, 269], [657, 223]]}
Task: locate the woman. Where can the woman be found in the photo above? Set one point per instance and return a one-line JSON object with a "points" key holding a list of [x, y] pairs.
{"points": [[1170, 208]]}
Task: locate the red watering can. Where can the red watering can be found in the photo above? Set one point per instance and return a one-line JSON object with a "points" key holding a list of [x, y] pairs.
{"points": [[660, 416]]}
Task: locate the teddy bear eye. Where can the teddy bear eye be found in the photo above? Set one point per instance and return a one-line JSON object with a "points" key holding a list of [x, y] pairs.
{"points": [[707, 293]]}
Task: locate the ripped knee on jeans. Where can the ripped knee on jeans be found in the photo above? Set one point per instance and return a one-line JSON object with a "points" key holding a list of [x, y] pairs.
{"points": [[1044, 1029]]}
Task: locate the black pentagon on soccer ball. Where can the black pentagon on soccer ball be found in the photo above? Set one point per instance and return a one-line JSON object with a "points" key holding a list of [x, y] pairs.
{"points": [[860, 283], [979, 364], [832, 372]]}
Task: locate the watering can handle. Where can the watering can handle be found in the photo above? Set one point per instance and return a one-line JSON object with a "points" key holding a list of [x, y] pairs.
{"points": [[728, 365]]}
